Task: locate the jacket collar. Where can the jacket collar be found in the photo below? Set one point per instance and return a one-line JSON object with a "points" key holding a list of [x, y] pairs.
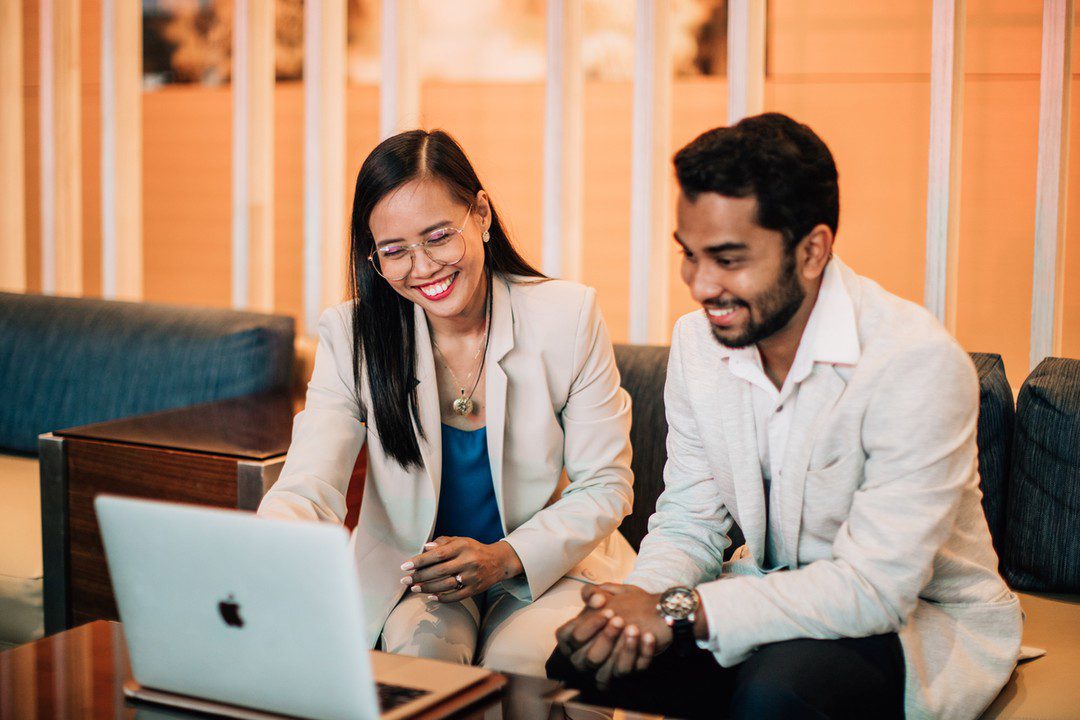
{"points": [[500, 343]]}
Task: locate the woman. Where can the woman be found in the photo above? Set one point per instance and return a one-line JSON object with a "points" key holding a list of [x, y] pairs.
{"points": [[476, 383]]}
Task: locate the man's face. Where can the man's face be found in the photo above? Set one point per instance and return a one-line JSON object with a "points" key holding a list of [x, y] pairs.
{"points": [[737, 270]]}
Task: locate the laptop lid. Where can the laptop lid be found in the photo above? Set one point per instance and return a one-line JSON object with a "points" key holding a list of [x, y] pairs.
{"points": [[222, 605]]}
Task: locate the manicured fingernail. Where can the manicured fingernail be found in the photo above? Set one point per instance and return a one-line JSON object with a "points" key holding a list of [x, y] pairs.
{"points": [[406, 580], [649, 638], [432, 598], [407, 566], [631, 630], [415, 588], [596, 601], [608, 614], [617, 622]]}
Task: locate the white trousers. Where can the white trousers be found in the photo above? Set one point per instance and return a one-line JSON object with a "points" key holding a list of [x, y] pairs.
{"points": [[499, 632]]}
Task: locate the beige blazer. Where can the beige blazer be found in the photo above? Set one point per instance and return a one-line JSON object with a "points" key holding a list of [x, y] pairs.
{"points": [[883, 530], [553, 402]]}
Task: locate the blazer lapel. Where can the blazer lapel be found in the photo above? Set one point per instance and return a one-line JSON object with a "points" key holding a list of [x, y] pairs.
{"points": [[817, 395], [737, 418], [500, 343], [427, 398]]}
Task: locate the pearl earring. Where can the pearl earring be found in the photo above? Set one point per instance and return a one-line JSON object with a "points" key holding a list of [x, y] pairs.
{"points": [[486, 236]]}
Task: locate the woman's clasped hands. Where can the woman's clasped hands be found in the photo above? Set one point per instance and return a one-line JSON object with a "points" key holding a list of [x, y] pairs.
{"points": [[455, 568]]}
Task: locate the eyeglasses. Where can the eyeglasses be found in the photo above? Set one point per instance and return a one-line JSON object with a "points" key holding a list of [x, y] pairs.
{"points": [[444, 246]]}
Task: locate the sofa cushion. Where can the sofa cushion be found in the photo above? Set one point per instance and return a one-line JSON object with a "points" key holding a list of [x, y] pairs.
{"points": [[643, 369], [71, 361], [1042, 548], [21, 618], [996, 415], [1046, 687]]}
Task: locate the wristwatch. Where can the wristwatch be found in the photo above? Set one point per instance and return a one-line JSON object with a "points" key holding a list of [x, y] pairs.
{"points": [[678, 608]]}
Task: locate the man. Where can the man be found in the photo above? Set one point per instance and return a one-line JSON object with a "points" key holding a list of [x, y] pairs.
{"points": [[835, 424]]}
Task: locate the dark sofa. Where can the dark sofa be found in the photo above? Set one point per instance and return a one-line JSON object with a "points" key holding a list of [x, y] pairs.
{"points": [[66, 362], [1029, 466]]}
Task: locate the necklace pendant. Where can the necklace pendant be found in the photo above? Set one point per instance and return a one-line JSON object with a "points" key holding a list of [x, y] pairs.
{"points": [[463, 406]]}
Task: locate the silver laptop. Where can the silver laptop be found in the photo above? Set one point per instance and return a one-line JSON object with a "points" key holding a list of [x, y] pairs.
{"points": [[232, 614]]}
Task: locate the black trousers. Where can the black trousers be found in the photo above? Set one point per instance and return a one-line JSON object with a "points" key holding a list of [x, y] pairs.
{"points": [[846, 678]]}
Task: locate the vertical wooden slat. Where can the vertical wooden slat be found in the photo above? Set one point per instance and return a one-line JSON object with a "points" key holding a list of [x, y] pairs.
{"points": [[61, 148], [649, 242], [324, 149], [399, 87], [253, 154], [946, 132], [13, 198], [121, 150], [746, 58], [564, 130], [1051, 197]]}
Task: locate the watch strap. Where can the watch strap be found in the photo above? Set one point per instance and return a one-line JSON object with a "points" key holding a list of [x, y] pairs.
{"points": [[683, 636]]}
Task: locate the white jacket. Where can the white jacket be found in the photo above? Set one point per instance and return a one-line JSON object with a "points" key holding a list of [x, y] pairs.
{"points": [[553, 401], [879, 504]]}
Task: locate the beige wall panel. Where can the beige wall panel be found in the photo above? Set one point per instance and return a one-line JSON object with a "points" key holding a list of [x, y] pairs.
{"points": [[997, 208], [288, 264], [998, 219], [505, 147], [846, 37], [1070, 302], [606, 246], [187, 195], [882, 231], [1070, 322], [1000, 38], [12, 160]]}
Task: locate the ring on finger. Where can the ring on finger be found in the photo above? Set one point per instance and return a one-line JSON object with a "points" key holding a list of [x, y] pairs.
{"points": [[460, 581]]}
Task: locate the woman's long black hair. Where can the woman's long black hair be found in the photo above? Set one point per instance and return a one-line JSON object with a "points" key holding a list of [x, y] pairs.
{"points": [[382, 320]]}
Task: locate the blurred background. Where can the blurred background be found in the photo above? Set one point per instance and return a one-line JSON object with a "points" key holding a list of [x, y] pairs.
{"points": [[858, 72]]}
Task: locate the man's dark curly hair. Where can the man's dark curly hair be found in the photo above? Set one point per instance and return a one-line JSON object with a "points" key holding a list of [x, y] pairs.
{"points": [[780, 162]]}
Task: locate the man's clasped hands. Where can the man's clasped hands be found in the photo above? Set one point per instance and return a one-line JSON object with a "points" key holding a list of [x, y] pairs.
{"points": [[618, 632]]}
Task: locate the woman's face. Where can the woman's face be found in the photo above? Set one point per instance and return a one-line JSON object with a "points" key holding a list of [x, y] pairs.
{"points": [[423, 210]]}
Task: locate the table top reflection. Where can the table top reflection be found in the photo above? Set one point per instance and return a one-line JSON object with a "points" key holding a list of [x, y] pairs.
{"points": [[79, 675]]}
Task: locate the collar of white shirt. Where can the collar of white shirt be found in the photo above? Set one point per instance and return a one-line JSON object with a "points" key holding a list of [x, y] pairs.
{"points": [[831, 336]]}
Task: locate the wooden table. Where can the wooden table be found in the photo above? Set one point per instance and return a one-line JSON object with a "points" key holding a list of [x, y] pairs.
{"points": [[80, 673], [225, 453]]}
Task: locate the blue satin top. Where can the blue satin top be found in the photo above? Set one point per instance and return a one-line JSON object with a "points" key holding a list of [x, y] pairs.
{"points": [[467, 506]]}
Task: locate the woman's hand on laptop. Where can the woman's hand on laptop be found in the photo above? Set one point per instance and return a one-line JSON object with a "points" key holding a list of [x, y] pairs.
{"points": [[454, 568]]}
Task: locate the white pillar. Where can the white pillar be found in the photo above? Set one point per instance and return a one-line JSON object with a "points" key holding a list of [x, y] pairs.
{"points": [[563, 141], [61, 148], [325, 229], [121, 150], [943, 186], [1051, 196], [399, 88], [650, 174], [253, 155], [746, 59]]}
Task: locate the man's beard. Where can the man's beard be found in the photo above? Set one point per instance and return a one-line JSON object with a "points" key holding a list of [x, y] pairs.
{"points": [[776, 306]]}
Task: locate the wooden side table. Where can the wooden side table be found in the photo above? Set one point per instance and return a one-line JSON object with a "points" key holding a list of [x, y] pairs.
{"points": [[225, 453]]}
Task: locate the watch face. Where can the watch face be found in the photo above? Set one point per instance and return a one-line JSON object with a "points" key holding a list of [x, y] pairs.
{"points": [[679, 603]]}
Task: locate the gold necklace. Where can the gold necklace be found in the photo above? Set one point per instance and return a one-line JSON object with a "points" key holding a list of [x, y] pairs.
{"points": [[463, 404]]}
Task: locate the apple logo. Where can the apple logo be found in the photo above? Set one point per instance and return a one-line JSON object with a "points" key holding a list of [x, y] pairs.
{"points": [[230, 612]]}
